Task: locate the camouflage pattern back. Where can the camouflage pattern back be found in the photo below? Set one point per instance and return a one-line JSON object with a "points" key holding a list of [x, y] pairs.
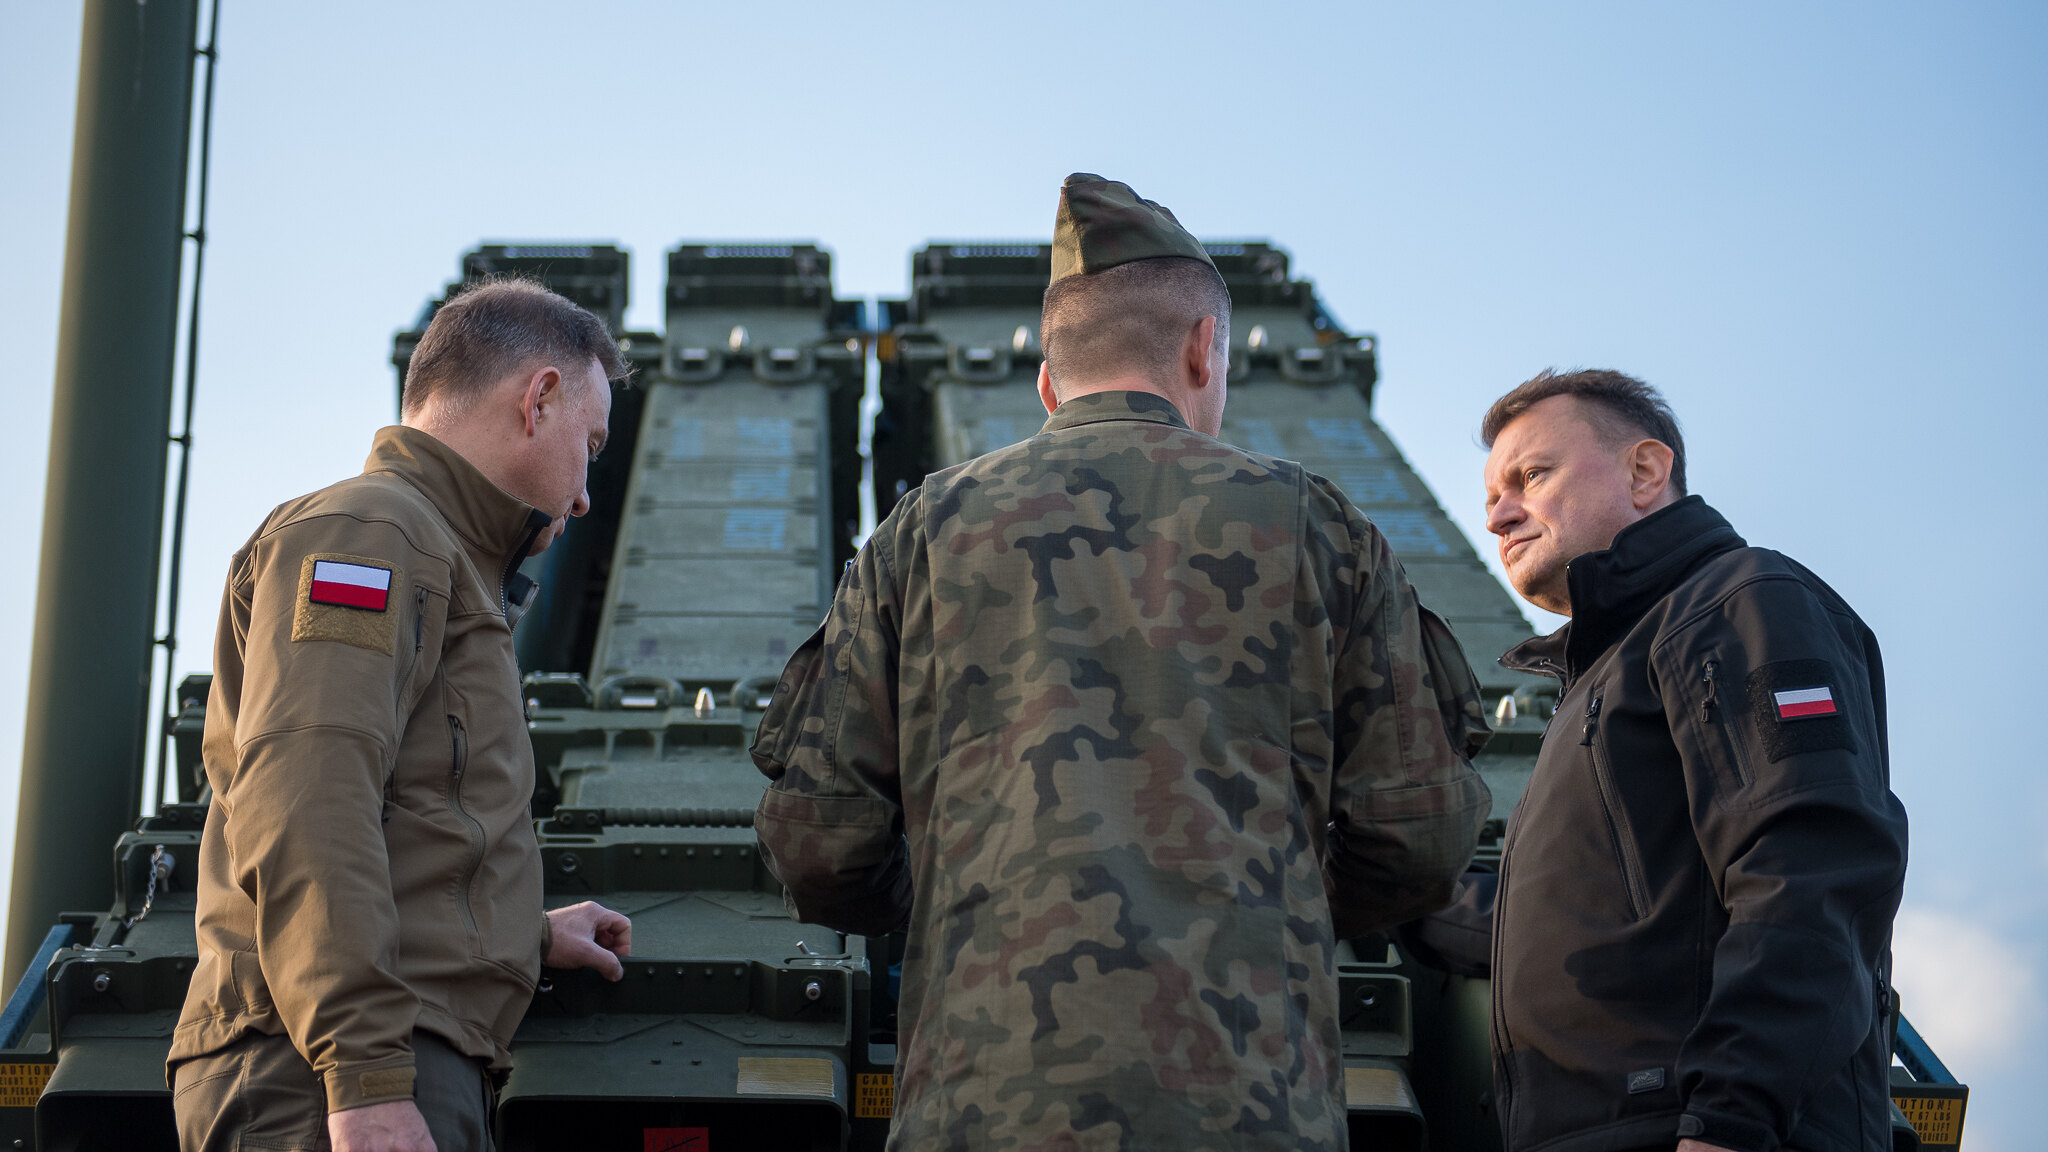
{"points": [[1131, 675]]}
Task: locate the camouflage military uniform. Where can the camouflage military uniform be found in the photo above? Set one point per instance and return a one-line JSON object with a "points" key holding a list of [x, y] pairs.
{"points": [[1114, 722]]}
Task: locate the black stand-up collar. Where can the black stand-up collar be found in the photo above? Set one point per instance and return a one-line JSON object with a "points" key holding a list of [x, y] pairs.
{"points": [[1611, 590]]}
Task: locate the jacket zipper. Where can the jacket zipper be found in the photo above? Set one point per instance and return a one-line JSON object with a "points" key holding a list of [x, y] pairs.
{"points": [[1708, 707], [419, 619], [1632, 884], [460, 740], [1504, 1044]]}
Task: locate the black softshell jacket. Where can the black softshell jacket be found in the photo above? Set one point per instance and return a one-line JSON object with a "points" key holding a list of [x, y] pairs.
{"points": [[1694, 908]]}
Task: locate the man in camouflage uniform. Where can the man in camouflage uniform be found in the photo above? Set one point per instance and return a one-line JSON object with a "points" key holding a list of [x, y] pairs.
{"points": [[1126, 728]]}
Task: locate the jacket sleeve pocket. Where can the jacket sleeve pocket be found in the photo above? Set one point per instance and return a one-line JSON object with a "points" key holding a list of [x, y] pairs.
{"points": [[1713, 707]]}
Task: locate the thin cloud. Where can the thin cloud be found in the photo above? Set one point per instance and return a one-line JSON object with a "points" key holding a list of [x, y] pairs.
{"points": [[1968, 991]]}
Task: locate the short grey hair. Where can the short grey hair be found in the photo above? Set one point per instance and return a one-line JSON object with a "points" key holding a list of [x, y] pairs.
{"points": [[497, 326], [1129, 319], [1621, 408]]}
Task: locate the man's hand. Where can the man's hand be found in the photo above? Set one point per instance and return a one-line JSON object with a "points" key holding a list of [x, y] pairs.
{"points": [[394, 1126], [589, 935], [1690, 1145]]}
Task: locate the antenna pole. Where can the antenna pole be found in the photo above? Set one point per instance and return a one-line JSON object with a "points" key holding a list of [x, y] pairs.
{"points": [[103, 511]]}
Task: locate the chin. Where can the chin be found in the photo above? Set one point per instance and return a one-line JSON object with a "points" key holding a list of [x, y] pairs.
{"points": [[1526, 585]]}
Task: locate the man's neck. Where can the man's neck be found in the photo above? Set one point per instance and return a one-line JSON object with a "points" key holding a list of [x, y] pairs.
{"points": [[1068, 392], [468, 442]]}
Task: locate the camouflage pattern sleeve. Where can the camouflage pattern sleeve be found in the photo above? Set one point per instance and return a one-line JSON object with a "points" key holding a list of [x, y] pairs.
{"points": [[831, 821], [1406, 806]]}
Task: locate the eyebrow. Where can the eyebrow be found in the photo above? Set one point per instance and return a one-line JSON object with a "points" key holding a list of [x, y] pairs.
{"points": [[1530, 459], [1512, 473]]}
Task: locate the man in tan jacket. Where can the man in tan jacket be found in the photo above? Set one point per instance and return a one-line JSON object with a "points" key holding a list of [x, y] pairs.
{"points": [[369, 919]]}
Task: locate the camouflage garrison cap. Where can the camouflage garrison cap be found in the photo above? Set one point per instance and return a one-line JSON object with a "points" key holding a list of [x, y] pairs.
{"points": [[1102, 224]]}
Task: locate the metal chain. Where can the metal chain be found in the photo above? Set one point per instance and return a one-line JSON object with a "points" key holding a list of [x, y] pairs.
{"points": [[160, 865]]}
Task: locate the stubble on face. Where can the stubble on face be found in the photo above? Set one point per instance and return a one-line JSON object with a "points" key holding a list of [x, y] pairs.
{"points": [[580, 434]]}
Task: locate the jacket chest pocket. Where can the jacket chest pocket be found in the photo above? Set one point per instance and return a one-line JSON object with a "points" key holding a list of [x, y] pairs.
{"points": [[1621, 835]]}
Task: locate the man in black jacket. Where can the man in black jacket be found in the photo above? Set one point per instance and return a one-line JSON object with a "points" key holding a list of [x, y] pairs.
{"points": [[1692, 916]]}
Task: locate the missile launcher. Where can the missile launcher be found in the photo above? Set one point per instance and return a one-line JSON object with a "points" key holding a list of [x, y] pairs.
{"points": [[722, 513]]}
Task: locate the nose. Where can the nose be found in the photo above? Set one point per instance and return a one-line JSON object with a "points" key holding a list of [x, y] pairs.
{"points": [[1503, 516], [582, 505]]}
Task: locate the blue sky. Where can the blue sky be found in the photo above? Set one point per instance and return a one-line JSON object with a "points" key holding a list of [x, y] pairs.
{"points": [[1819, 228]]}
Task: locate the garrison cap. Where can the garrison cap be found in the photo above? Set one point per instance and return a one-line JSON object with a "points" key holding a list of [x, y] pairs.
{"points": [[1102, 224]]}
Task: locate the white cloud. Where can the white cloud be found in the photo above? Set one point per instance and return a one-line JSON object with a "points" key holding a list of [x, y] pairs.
{"points": [[1970, 993]]}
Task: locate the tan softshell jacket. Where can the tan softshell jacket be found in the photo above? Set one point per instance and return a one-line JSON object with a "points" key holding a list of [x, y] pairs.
{"points": [[369, 863]]}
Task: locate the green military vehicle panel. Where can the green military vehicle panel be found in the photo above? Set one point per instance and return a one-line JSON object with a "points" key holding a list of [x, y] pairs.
{"points": [[638, 776], [733, 1022], [722, 564], [675, 530], [975, 419], [735, 1026]]}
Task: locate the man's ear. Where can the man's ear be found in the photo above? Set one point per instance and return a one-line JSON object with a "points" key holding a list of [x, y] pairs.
{"points": [[1649, 475], [1046, 395], [544, 389], [1194, 352]]}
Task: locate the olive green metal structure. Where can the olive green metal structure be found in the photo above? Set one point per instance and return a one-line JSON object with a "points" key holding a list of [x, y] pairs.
{"points": [[96, 598]]}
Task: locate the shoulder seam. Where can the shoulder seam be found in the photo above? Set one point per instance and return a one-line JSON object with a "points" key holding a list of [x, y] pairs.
{"points": [[1670, 633], [401, 529]]}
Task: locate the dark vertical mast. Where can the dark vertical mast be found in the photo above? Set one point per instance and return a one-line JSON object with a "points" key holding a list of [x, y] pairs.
{"points": [[103, 513]]}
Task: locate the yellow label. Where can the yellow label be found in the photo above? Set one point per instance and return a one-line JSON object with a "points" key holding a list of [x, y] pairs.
{"points": [[1376, 1088], [874, 1095], [1937, 1119], [784, 1076], [21, 1085]]}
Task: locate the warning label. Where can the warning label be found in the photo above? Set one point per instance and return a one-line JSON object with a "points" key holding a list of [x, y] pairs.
{"points": [[1937, 1119], [874, 1096], [21, 1085], [785, 1076]]}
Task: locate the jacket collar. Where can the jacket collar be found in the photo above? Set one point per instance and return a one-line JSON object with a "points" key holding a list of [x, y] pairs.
{"points": [[1611, 590], [1096, 407], [498, 527]]}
